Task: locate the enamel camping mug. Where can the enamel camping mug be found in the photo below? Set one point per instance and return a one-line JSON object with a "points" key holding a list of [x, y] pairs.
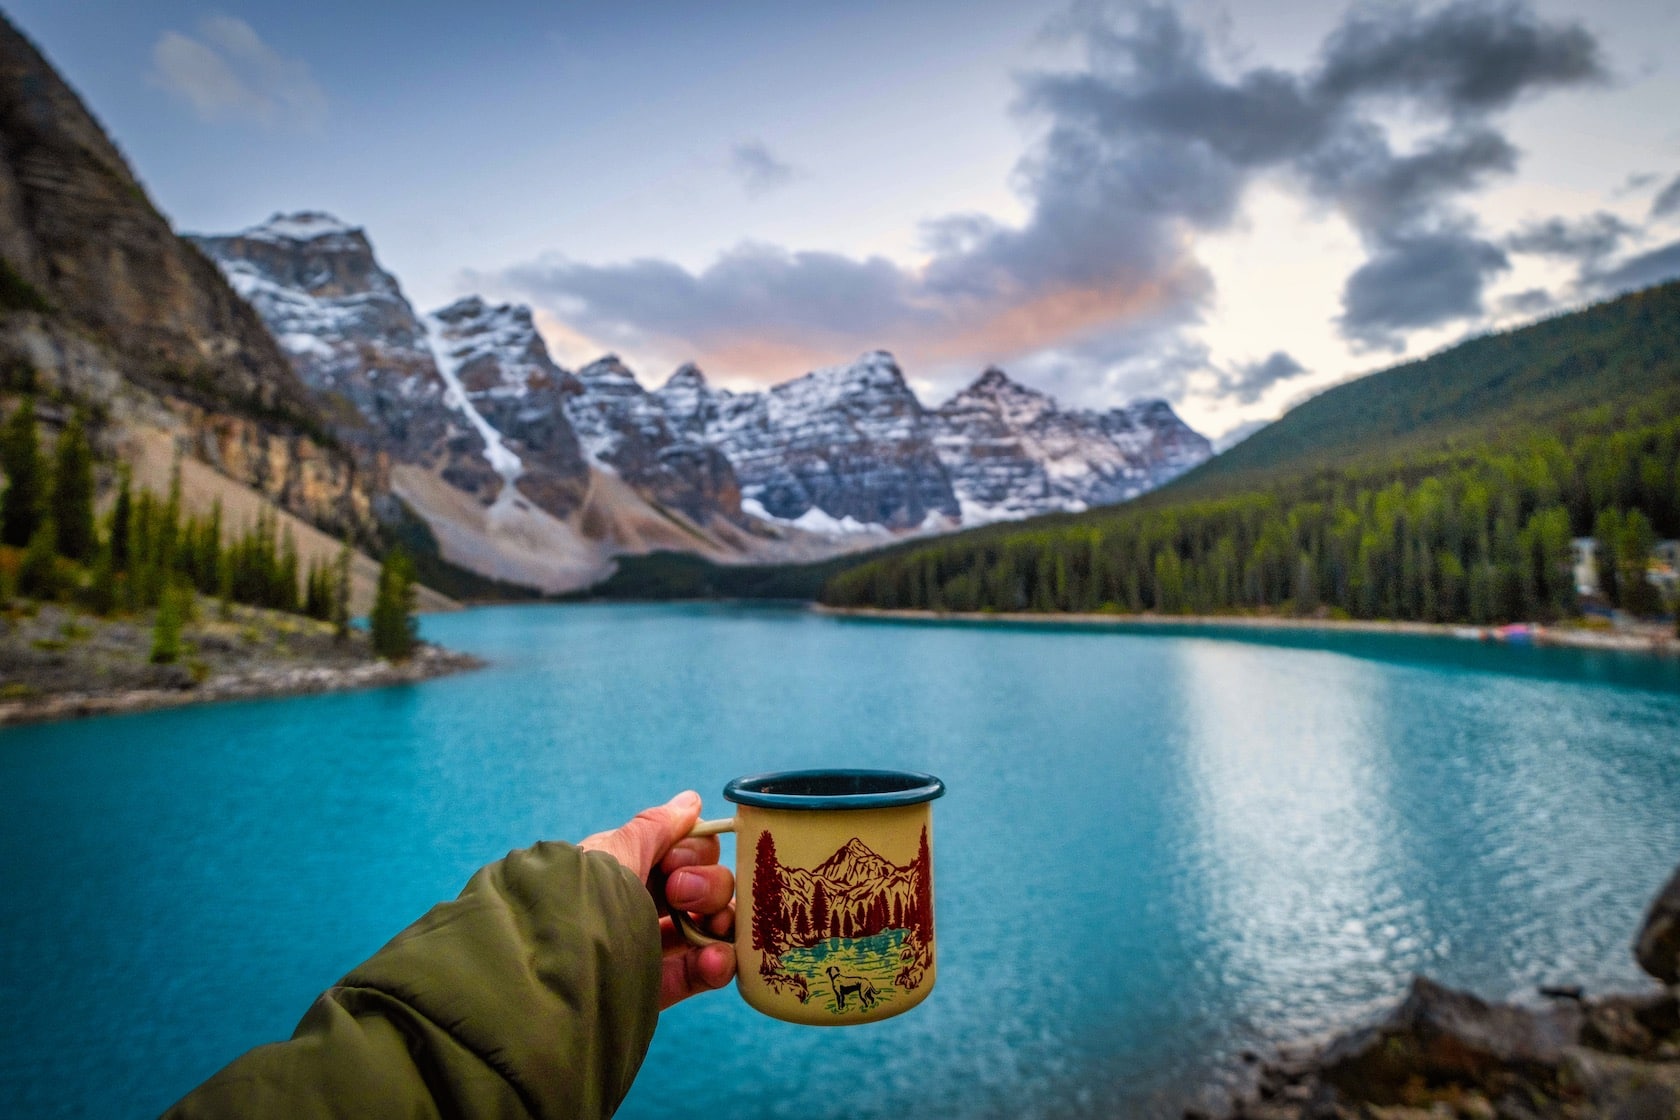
{"points": [[834, 893]]}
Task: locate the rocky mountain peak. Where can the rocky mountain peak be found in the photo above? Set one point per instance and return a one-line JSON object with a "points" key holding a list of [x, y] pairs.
{"points": [[305, 225], [1012, 451], [995, 394], [688, 376], [608, 374], [872, 374]]}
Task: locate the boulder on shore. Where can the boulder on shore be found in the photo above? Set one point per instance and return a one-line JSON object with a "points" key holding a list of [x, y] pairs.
{"points": [[1446, 1053], [1658, 946]]}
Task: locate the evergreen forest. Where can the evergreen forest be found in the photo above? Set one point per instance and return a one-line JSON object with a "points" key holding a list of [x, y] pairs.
{"points": [[1446, 490]]}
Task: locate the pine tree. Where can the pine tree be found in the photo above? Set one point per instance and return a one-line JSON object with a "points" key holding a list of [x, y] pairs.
{"points": [[341, 595], [38, 574], [72, 493], [392, 621], [22, 504], [102, 592], [122, 515], [166, 628]]}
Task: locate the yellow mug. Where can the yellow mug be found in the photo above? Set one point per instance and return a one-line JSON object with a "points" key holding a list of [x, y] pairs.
{"points": [[834, 893]]}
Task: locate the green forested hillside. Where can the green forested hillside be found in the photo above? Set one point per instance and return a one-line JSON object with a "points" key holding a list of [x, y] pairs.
{"points": [[1446, 489], [1474, 394]]}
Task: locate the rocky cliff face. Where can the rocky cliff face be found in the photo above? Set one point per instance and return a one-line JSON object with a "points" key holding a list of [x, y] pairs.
{"points": [[104, 302], [625, 428], [1011, 452], [348, 331], [498, 364]]}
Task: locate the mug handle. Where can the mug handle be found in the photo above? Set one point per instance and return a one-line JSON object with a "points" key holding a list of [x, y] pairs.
{"points": [[684, 924]]}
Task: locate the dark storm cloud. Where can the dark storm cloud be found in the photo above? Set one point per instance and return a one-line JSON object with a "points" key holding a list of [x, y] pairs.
{"points": [[1668, 200], [1381, 192], [1248, 383], [1586, 240], [1464, 59], [1143, 146], [1640, 271], [1418, 280], [759, 169]]}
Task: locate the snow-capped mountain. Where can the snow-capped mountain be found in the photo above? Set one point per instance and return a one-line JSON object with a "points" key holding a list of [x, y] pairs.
{"points": [[350, 334], [624, 428], [851, 442], [514, 396], [1011, 452], [514, 461]]}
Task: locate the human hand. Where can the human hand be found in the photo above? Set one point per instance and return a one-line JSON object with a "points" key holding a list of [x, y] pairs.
{"points": [[695, 882]]}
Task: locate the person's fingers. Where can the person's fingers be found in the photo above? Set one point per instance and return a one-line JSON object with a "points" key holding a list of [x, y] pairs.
{"points": [[697, 970], [705, 889], [691, 852], [720, 924], [643, 841]]}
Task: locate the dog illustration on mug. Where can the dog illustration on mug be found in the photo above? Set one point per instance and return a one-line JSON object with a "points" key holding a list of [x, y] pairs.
{"points": [[844, 986]]}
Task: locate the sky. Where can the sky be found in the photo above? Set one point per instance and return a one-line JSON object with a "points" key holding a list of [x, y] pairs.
{"points": [[1231, 206]]}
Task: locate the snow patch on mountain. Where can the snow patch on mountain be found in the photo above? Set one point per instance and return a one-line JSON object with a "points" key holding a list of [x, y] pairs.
{"points": [[305, 225], [448, 357], [815, 520]]}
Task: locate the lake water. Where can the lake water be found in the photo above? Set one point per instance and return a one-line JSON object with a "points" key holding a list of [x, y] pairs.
{"points": [[1158, 848]]}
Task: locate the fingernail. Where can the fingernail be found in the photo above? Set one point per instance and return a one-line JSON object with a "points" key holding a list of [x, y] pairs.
{"points": [[684, 888], [680, 857], [684, 800]]}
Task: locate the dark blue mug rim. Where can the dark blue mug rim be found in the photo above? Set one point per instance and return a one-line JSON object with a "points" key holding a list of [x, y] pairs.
{"points": [[834, 789]]}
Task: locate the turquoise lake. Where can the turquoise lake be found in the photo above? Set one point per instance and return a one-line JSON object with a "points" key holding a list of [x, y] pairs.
{"points": [[1159, 847]]}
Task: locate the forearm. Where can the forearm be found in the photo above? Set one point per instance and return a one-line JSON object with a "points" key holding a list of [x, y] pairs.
{"points": [[534, 993]]}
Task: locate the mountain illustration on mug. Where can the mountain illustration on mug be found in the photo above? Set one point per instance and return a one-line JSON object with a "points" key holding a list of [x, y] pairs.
{"points": [[852, 932]]}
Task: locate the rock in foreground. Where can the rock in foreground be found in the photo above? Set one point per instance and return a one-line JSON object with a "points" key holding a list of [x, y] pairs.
{"points": [[1445, 1053]]}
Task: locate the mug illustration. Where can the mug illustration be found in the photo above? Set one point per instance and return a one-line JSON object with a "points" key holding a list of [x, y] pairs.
{"points": [[852, 933]]}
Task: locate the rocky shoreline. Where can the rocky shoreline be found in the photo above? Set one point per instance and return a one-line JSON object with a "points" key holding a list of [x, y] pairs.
{"points": [[60, 664], [1446, 1053], [1630, 638]]}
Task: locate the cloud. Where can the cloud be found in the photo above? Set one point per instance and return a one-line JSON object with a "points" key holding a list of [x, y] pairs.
{"points": [[228, 73], [1247, 383], [1141, 148], [759, 169], [1529, 301], [1463, 59], [1668, 200], [1586, 239], [1417, 280], [1640, 271]]}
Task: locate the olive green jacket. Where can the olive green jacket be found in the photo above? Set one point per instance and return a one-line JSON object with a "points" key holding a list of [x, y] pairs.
{"points": [[534, 994]]}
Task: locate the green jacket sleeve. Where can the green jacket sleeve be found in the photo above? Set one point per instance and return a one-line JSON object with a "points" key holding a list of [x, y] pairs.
{"points": [[533, 994]]}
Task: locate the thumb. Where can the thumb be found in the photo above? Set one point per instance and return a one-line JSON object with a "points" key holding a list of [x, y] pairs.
{"points": [[643, 841]]}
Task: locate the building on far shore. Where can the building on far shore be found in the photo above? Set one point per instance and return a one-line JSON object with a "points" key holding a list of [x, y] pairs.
{"points": [[1663, 568], [1585, 551]]}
